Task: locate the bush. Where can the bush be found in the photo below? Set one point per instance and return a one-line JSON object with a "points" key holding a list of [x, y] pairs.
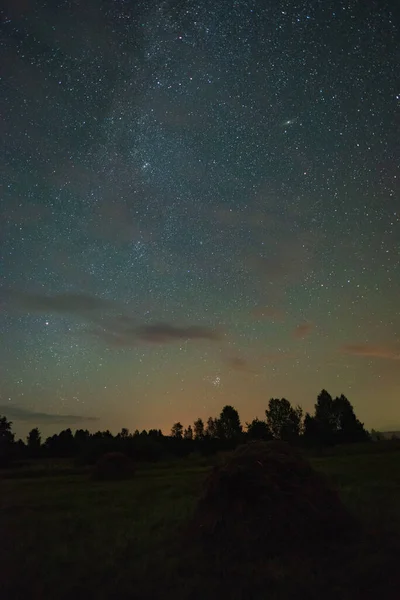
{"points": [[266, 499], [113, 466]]}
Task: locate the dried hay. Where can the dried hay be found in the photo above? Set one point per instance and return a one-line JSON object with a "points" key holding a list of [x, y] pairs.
{"points": [[267, 499]]}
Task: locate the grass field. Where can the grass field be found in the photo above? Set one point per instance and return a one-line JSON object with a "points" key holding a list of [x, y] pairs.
{"points": [[64, 535]]}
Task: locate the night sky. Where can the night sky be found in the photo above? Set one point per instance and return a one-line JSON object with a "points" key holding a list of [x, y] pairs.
{"points": [[199, 207]]}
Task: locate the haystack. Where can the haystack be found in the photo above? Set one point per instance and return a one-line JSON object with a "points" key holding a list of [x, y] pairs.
{"points": [[113, 466], [266, 499]]}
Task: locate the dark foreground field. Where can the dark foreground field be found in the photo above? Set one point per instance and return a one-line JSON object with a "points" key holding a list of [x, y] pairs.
{"points": [[63, 535]]}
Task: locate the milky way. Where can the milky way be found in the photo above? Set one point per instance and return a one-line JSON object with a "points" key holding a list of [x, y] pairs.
{"points": [[200, 206]]}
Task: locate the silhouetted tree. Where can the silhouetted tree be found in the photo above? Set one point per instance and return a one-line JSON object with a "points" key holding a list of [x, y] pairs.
{"points": [[310, 430], [20, 449], [284, 421], [6, 441], [61, 445], [157, 433], [348, 428], [212, 426], [188, 433], [198, 429], [85, 446], [258, 430], [81, 436], [325, 418], [228, 424], [6, 434], [377, 436], [147, 448], [34, 442], [177, 431], [334, 422]]}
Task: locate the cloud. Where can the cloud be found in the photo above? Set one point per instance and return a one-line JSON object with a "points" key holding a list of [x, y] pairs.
{"points": [[114, 221], [256, 218], [116, 330], [303, 330], [164, 333], [121, 332], [372, 351], [28, 214], [24, 414], [115, 339], [240, 364], [283, 263], [116, 324], [80, 304], [277, 356], [268, 312]]}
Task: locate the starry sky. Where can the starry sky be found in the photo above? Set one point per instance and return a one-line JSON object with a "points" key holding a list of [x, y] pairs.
{"points": [[199, 207]]}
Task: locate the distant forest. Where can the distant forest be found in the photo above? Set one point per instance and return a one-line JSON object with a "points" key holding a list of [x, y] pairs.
{"points": [[333, 422]]}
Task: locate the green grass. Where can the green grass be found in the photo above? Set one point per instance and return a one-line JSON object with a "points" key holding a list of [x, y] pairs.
{"points": [[65, 535]]}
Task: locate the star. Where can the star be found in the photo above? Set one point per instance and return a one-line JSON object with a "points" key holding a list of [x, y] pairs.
{"points": [[185, 191]]}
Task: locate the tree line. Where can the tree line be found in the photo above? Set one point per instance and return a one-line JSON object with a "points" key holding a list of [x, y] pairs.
{"points": [[333, 422]]}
